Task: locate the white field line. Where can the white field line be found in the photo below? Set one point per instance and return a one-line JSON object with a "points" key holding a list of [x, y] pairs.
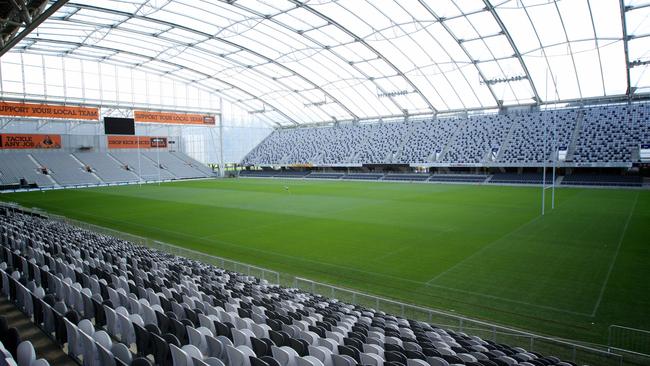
{"points": [[483, 249], [613, 262]]}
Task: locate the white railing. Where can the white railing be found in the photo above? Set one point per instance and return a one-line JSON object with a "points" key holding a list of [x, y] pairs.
{"points": [[628, 339]]}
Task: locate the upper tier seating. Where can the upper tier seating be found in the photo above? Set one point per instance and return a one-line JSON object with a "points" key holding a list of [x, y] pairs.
{"points": [[65, 169], [106, 300], [106, 167], [601, 134], [14, 166], [609, 134]]}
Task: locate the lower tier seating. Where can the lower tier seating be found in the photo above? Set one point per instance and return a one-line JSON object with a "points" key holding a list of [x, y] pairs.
{"points": [[56, 168], [109, 302]]}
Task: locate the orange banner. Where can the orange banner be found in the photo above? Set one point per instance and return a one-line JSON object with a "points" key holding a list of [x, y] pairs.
{"points": [[135, 142], [48, 111], [29, 141], [173, 118]]}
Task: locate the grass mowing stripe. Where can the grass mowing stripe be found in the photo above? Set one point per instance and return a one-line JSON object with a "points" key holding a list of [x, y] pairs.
{"points": [[618, 249], [484, 248]]}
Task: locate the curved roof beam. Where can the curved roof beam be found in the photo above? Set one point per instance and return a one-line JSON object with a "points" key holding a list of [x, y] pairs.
{"points": [[176, 44], [210, 36], [110, 49], [328, 49], [628, 90], [518, 54], [460, 44], [369, 47]]}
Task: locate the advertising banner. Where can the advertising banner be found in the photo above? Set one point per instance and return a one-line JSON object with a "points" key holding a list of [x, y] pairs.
{"points": [[48, 111], [29, 141], [173, 118], [135, 142]]}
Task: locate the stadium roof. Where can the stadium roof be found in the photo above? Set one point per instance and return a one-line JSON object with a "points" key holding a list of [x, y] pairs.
{"points": [[323, 60]]}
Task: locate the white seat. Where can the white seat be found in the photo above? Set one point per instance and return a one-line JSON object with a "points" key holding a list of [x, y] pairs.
{"points": [[286, 356], [112, 323], [331, 344], [193, 351], [106, 357], [416, 362], [73, 339], [126, 329], [122, 353], [324, 354], [40, 362], [197, 339], [371, 359], [179, 357], [373, 348], [308, 361], [86, 326], [344, 360], [26, 354], [437, 361], [89, 350], [205, 321], [242, 337], [215, 347], [103, 339]]}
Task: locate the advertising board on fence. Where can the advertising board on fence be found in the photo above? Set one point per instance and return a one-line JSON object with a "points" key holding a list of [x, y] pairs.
{"points": [[29, 141], [135, 142]]}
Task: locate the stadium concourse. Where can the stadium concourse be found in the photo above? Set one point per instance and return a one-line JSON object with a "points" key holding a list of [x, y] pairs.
{"points": [[131, 114]]}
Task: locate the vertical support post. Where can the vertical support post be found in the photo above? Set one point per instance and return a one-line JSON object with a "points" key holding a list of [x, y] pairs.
{"points": [[158, 157], [222, 171], [139, 163], [554, 157]]}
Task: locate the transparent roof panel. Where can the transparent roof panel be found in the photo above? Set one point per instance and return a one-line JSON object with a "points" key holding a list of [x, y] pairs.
{"points": [[307, 61]]}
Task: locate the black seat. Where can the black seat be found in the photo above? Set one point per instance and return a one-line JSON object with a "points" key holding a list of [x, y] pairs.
{"points": [[393, 347], [3, 328], [153, 328], [259, 347], [277, 338], [161, 352], [352, 352], [395, 356], [163, 322], [11, 342], [257, 362], [270, 361], [352, 342], [298, 346], [142, 340], [415, 355], [223, 329], [141, 361], [179, 331]]}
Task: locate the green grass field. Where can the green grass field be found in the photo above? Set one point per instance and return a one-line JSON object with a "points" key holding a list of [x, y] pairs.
{"points": [[480, 251]]}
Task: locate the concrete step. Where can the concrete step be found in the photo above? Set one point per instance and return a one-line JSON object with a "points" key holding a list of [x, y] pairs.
{"points": [[45, 347]]}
